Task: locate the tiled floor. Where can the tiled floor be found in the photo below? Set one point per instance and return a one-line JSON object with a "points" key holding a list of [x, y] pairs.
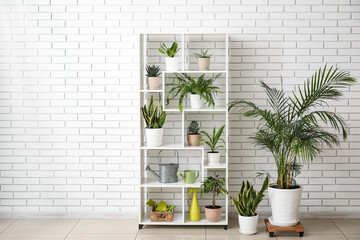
{"points": [[126, 229]]}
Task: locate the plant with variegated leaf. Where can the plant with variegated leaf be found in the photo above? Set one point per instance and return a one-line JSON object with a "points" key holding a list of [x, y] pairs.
{"points": [[154, 116], [248, 200], [214, 139]]}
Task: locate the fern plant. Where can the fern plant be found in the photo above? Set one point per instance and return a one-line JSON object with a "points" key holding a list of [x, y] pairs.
{"points": [[247, 199], [153, 71], [154, 116], [191, 85], [203, 54], [170, 52], [292, 130], [214, 139]]}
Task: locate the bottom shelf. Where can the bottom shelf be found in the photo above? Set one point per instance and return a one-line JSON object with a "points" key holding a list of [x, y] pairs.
{"points": [[178, 220]]}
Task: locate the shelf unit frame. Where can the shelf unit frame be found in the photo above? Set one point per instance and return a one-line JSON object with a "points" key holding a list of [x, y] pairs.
{"points": [[144, 185]]}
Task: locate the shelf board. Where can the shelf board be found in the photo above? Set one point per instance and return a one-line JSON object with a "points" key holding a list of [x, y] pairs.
{"points": [[151, 182], [172, 146], [151, 91], [220, 109], [194, 71], [220, 166], [178, 220]]}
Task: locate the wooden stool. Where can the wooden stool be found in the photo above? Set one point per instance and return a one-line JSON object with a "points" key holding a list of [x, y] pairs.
{"points": [[273, 229]]}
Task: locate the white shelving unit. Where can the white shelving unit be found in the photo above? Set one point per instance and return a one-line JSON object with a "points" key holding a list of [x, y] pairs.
{"points": [[188, 42]]}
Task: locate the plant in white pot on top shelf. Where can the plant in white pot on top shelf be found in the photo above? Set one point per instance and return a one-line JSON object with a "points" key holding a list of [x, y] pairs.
{"points": [[293, 132], [199, 89], [193, 135], [172, 63], [203, 60], [213, 157], [153, 80], [246, 204], [213, 186], [155, 118]]}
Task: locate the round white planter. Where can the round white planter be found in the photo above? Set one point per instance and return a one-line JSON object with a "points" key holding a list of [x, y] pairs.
{"points": [[172, 64], [195, 101], [213, 158], [154, 136], [285, 205], [248, 225]]}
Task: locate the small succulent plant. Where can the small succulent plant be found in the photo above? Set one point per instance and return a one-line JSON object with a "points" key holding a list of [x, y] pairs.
{"points": [[153, 71], [194, 127], [203, 54]]}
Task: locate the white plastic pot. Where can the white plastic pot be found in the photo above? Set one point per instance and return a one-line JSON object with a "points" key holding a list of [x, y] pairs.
{"points": [[195, 101], [213, 158], [172, 64], [248, 225], [154, 136], [285, 205]]}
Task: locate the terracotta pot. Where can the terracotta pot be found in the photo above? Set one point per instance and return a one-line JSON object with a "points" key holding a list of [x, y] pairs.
{"points": [[203, 64], [153, 83], [192, 138], [213, 215]]}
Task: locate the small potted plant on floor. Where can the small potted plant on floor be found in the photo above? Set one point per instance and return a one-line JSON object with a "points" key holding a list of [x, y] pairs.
{"points": [[172, 63], [193, 135], [213, 157], [153, 79], [246, 204], [155, 118], [293, 131], [203, 60], [213, 186], [198, 88]]}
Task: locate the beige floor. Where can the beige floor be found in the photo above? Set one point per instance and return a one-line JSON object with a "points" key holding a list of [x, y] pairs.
{"points": [[124, 229]]}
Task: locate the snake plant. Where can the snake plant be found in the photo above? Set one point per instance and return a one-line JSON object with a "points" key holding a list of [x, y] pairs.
{"points": [[248, 200], [154, 116]]}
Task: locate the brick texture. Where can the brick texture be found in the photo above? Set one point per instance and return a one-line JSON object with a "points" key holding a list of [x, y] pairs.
{"points": [[69, 108]]}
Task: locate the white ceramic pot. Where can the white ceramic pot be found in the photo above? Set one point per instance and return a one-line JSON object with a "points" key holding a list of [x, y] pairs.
{"points": [[195, 101], [285, 205], [213, 158], [154, 136], [172, 64], [248, 225], [153, 83]]}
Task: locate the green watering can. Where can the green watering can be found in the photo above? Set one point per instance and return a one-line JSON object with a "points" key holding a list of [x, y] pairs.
{"points": [[189, 176]]}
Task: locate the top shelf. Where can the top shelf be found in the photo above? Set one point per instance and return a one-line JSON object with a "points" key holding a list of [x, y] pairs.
{"points": [[193, 71]]}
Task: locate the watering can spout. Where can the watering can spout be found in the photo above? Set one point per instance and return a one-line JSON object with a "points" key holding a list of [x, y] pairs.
{"points": [[152, 171], [179, 174]]}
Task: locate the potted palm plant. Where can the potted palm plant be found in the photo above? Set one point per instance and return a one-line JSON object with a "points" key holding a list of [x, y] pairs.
{"points": [[153, 79], [155, 118], [172, 63], [214, 186], [193, 133], [246, 204], [198, 88], [203, 59], [292, 131], [213, 157]]}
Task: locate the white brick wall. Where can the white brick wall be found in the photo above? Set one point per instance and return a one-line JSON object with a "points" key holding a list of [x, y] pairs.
{"points": [[68, 108]]}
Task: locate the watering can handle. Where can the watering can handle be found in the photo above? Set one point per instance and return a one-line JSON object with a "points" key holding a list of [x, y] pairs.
{"points": [[197, 175], [177, 156]]}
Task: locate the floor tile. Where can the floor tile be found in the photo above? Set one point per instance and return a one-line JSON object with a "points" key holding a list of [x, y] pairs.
{"points": [[311, 237], [32, 236], [172, 229], [236, 236], [232, 228], [106, 226], [4, 223], [320, 226], [41, 226], [348, 225], [101, 236], [170, 236], [353, 236]]}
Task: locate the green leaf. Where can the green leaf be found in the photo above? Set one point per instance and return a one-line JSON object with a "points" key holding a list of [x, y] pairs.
{"points": [[151, 203], [161, 206]]}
